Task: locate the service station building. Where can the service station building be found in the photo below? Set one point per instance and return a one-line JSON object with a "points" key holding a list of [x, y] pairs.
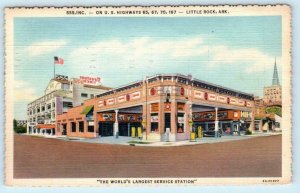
{"points": [[163, 107]]}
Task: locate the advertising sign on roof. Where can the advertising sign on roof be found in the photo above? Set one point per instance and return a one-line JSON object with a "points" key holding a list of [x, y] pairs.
{"points": [[88, 80]]}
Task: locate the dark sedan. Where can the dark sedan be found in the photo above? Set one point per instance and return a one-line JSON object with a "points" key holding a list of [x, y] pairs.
{"points": [[211, 133]]}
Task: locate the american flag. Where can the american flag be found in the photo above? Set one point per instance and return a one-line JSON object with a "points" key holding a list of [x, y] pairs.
{"points": [[58, 60]]}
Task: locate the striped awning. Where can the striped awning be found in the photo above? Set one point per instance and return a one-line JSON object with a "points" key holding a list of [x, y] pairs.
{"points": [[86, 110]]}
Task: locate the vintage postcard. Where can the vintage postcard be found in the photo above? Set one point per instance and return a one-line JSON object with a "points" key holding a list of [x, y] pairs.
{"points": [[148, 96]]}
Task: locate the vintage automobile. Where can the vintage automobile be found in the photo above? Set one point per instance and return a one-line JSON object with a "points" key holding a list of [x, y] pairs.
{"points": [[211, 133]]}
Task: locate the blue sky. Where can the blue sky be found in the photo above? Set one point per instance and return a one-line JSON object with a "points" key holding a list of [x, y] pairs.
{"points": [[236, 52]]}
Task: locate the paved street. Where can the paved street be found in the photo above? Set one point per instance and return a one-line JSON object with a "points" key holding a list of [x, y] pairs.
{"points": [[37, 157]]}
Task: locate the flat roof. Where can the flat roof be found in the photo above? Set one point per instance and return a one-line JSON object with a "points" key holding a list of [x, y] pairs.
{"points": [[184, 77]]}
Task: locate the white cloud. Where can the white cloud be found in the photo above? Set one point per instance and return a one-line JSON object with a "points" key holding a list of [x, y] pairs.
{"points": [[253, 59], [140, 52], [44, 47], [23, 92]]}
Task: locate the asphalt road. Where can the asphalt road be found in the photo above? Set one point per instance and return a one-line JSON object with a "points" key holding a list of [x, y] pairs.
{"points": [[36, 157]]}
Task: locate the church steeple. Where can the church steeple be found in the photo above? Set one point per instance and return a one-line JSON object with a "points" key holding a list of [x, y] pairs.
{"points": [[275, 80]]}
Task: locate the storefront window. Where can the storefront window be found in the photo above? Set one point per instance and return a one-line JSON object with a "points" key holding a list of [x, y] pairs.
{"points": [[154, 127], [81, 126], [91, 128], [211, 126], [226, 128], [180, 123], [154, 122], [180, 128], [73, 126], [245, 126]]}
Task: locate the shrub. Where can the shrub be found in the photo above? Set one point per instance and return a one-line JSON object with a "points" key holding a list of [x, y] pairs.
{"points": [[19, 129], [248, 132]]}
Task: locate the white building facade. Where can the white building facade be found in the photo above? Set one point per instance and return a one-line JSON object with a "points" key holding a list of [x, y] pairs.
{"points": [[60, 95]]}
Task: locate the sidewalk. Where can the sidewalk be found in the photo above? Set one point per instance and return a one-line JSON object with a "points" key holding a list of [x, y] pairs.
{"points": [[138, 142], [121, 140]]}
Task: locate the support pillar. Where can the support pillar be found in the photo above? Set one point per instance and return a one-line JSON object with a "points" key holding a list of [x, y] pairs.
{"points": [[172, 136], [128, 127], [188, 116], [216, 122], [146, 120], [252, 125], [116, 125]]}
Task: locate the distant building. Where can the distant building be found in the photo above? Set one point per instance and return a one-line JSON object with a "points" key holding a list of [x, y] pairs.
{"points": [[22, 123], [272, 94], [60, 95], [265, 117]]}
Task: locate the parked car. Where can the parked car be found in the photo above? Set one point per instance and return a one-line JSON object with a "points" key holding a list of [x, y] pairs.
{"points": [[211, 133]]}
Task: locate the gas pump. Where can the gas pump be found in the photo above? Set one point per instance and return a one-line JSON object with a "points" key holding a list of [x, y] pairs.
{"points": [[200, 133], [133, 132]]}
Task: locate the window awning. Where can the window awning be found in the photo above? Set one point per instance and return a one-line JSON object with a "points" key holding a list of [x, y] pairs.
{"points": [[45, 126], [86, 110]]}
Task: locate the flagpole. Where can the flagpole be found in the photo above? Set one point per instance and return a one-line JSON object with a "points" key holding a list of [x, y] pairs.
{"points": [[54, 69]]}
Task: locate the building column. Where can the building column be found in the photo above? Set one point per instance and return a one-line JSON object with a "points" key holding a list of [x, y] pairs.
{"points": [[188, 116], [28, 127], [173, 131], [252, 125], [128, 126], [161, 118], [216, 122], [51, 132], [116, 124], [146, 119]]}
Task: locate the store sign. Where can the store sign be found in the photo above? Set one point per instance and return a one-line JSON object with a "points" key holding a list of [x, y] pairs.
{"points": [[222, 99], [136, 95], [100, 103], [232, 101], [198, 94], [107, 117], [121, 117], [249, 104], [121, 99], [154, 118], [88, 80], [235, 114], [110, 101], [241, 102], [212, 97], [245, 114], [180, 120]]}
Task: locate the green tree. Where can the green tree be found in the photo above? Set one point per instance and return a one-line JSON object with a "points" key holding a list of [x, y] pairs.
{"points": [[276, 110], [18, 128]]}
